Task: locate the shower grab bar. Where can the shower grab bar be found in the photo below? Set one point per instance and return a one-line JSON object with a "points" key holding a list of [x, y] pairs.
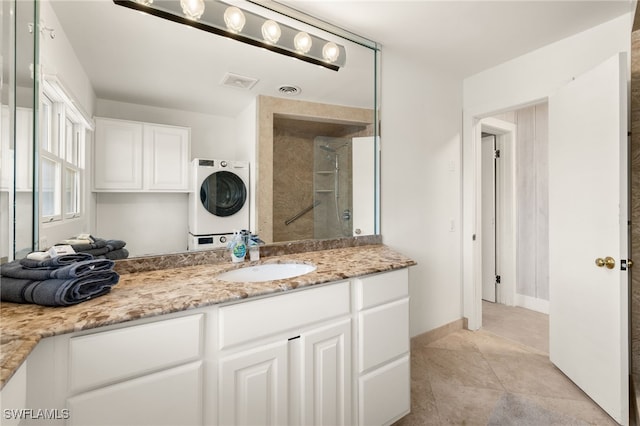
{"points": [[301, 213]]}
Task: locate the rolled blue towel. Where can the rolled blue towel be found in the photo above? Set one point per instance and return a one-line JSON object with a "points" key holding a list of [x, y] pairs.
{"points": [[97, 251], [115, 244], [122, 253], [74, 270], [57, 292], [97, 244], [55, 262]]}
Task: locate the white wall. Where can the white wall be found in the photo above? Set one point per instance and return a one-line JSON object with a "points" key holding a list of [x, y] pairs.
{"points": [[212, 136], [420, 184], [527, 79], [58, 58], [150, 223]]}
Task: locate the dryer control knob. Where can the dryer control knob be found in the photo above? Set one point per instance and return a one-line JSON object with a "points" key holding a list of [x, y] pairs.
{"points": [[223, 163]]}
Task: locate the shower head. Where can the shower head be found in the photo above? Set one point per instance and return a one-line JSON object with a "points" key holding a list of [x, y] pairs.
{"points": [[327, 148]]}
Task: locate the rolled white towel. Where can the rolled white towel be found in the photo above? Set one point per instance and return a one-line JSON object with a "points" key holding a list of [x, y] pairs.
{"points": [[39, 255]]}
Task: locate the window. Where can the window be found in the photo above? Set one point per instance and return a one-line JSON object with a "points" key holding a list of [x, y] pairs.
{"points": [[62, 138]]}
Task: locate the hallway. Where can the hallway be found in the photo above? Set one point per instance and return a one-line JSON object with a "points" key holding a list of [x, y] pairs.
{"points": [[496, 376]]}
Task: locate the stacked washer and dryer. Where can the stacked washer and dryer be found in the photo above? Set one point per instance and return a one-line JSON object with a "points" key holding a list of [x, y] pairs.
{"points": [[218, 202]]}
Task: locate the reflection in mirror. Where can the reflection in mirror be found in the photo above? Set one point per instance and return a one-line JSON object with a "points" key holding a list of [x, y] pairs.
{"points": [[17, 98], [162, 94]]}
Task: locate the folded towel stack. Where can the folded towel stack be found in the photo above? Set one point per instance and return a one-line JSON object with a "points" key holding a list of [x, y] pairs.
{"points": [[100, 248], [59, 281]]}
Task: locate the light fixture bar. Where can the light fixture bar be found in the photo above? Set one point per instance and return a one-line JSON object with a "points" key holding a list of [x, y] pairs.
{"points": [[249, 28]]}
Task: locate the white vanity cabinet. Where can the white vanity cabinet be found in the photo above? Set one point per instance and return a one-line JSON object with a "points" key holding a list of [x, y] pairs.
{"points": [[135, 156], [286, 360], [13, 397], [384, 382], [143, 374], [331, 354]]}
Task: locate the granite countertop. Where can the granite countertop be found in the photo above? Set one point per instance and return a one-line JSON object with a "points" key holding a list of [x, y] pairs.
{"points": [[147, 294]]}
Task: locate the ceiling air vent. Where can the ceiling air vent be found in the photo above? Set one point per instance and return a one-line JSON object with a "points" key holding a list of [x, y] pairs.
{"points": [[289, 90], [238, 81]]}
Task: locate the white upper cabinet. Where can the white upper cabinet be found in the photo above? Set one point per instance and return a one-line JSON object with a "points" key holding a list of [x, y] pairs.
{"points": [[166, 157], [117, 160], [134, 156]]}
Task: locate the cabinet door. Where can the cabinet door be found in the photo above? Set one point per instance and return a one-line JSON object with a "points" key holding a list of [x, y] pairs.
{"points": [[13, 397], [166, 158], [253, 386], [117, 160], [327, 375], [169, 397], [385, 393]]}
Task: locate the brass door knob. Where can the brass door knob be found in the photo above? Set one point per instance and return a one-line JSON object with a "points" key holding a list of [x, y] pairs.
{"points": [[608, 261]]}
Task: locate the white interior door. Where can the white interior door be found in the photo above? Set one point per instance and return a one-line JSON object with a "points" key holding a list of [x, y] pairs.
{"points": [[588, 318], [488, 219]]}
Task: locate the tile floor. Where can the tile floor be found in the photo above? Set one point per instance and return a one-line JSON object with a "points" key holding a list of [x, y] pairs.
{"points": [[495, 376]]}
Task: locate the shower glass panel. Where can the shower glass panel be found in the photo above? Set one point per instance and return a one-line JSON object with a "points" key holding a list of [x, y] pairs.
{"points": [[18, 95], [332, 187]]}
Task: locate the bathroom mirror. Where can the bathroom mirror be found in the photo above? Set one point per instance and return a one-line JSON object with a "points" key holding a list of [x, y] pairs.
{"points": [[118, 63]]}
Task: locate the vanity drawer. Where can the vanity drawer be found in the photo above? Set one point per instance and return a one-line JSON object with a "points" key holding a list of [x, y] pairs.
{"points": [[247, 321], [111, 356], [385, 393], [381, 288], [384, 333]]}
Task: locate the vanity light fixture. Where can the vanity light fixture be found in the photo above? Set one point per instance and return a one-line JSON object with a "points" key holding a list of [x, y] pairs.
{"points": [[233, 22], [302, 41], [234, 19], [271, 31], [192, 9], [330, 52]]}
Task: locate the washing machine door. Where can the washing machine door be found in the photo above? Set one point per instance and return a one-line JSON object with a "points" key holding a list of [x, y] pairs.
{"points": [[223, 193]]}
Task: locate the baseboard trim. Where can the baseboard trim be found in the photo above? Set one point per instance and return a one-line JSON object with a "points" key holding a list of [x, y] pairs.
{"points": [[533, 303], [437, 333]]}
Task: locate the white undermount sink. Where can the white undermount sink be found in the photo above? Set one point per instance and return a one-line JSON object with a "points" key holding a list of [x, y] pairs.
{"points": [[266, 272]]}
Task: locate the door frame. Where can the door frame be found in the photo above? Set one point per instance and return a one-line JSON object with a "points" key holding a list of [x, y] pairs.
{"points": [[472, 216], [506, 208]]}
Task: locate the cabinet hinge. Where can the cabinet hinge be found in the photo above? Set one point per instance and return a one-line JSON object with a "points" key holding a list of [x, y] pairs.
{"points": [[496, 153], [498, 279]]}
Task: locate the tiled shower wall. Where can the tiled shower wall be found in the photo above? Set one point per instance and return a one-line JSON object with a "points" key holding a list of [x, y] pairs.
{"points": [[293, 144], [274, 116], [635, 202]]}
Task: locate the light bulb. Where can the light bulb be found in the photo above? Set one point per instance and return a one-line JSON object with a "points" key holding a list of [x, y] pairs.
{"points": [[271, 31], [330, 52], [234, 19], [302, 42], [192, 9]]}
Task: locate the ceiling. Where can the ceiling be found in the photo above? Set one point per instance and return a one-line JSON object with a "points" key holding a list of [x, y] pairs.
{"points": [[136, 58], [464, 37]]}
